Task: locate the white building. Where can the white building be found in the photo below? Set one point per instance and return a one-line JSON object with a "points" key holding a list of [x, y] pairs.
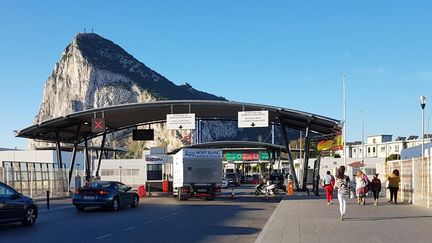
{"points": [[382, 146]]}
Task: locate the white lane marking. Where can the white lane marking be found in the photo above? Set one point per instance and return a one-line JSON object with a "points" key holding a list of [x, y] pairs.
{"points": [[164, 217], [103, 236], [175, 213], [130, 228], [148, 222]]}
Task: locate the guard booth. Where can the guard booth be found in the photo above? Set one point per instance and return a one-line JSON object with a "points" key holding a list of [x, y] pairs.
{"points": [[150, 171]]}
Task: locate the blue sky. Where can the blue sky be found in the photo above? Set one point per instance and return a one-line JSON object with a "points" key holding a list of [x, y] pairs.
{"points": [[284, 53]]}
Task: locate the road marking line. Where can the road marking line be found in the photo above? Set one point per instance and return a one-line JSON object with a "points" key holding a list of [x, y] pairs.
{"points": [[164, 217], [103, 236], [130, 228], [148, 222]]}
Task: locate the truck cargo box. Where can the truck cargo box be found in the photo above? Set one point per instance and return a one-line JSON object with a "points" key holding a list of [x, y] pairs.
{"points": [[197, 166]]}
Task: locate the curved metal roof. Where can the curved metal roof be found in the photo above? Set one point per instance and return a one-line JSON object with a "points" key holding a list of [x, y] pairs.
{"points": [[124, 116], [236, 145]]}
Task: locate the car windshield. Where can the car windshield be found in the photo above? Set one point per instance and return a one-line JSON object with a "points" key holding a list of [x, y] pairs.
{"points": [[230, 176], [100, 184]]}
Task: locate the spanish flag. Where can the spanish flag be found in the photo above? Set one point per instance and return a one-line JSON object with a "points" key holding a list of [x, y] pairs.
{"points": [[331, 144]]}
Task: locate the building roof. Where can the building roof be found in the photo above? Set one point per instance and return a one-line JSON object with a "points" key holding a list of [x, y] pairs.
{"points": [[237, 145], [124, 116]]}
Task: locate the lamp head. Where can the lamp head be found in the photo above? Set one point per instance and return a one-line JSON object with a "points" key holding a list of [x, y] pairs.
{"points": [[422, 101]]}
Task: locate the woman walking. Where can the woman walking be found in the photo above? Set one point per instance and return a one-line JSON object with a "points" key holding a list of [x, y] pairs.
{"points": [[376, 188], [361, 187], [393, 185], [342, 186]]}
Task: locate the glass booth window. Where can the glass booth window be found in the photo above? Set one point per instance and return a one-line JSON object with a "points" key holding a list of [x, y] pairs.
{"points": [[154, 172]]}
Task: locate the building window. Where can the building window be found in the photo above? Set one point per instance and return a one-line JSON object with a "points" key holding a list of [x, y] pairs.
{"points": [[154, 172], [382, 149], [106, 172], [374, 140], [373, 149], [368, 150]]}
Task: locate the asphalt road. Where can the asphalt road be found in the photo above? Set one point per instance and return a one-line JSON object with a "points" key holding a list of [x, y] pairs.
{"points": [[155, 220]]}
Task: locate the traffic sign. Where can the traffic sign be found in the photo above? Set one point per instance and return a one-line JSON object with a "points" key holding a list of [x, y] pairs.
{"points": [[181, 121], [252, 119], [98, 125]]}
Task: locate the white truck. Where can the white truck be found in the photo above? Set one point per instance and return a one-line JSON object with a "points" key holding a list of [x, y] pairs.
{"points": [[197, 173]]}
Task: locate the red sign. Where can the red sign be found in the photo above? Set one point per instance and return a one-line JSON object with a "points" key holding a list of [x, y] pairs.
{"points": [[251, 156], [98, 125]]}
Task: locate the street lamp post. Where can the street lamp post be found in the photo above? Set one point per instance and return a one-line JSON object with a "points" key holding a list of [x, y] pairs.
{"points": [[422, 105], [362, 124]]}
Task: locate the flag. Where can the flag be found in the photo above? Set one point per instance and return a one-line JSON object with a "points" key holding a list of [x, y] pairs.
{"points": [[331, 144]]}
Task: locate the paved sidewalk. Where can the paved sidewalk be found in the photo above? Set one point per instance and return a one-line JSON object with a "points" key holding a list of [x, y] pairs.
{"points": [[302, 218]]}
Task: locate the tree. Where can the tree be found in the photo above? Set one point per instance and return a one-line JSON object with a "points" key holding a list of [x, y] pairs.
{"points": [[393, 157]]}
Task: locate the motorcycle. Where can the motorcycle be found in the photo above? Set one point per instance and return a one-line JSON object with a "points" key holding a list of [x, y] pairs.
{"points": [[270, 189]]}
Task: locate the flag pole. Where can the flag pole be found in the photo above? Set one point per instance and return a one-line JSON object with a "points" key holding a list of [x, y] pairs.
{"points": [[344, 123]]}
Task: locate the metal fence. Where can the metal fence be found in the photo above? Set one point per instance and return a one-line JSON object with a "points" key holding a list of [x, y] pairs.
{"points": [[35, 179], [415, 174]]}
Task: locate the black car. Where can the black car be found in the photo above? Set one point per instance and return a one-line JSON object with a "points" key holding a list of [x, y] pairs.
{"points": [[109, 194], [233, 179], [14, 207]]}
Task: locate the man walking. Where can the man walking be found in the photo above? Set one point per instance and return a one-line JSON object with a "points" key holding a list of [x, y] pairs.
{"points": [[329, 182]]}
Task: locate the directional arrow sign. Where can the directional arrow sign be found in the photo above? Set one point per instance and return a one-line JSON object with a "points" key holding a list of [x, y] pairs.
{"points": [[181, 121], [253, 119]]}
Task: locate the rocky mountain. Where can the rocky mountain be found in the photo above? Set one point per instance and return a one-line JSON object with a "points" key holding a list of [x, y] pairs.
{"points": [[95, 72]]}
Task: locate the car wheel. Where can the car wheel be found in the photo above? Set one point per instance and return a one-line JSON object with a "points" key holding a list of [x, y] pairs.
{"points": [[135, 201], [79, 208], [29, 217], [115, 204]]}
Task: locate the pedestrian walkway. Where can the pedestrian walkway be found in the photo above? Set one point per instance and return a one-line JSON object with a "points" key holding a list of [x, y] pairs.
{"points": [[302, 218]]}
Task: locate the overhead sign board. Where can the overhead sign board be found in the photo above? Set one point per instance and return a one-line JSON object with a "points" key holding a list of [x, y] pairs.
{"points": [[181, 121], [252, 119], [98, 125], [238, 156], [142, 134]]}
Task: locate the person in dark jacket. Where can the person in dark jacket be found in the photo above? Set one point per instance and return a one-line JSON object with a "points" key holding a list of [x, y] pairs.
{"points": [[376, 188]]}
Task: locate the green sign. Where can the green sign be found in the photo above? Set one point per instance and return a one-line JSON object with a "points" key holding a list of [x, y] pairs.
{"points": [[233, 156], [264, 156]]}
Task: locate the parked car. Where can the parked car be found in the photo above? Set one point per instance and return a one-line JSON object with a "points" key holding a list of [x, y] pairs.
{"points": [[255, 179], [109, 194], [278, 180], [224, 183], [14, 207], [242, 179], [248, 179], [233, 179]]}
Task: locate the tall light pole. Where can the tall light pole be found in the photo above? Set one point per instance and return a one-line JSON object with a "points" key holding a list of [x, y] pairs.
{"points": [[422, 105], [362, 138], [345, 123]]}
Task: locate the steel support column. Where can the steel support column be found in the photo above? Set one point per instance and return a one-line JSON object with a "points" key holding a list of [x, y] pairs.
{"points": [[58, 151], [100, 154], [74, 151], [306, 158], [316, 177], [291, 162], [87, 160]]}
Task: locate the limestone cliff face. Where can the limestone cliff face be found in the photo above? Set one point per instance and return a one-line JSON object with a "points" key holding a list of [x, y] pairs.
{"points": [[94, 72]]}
